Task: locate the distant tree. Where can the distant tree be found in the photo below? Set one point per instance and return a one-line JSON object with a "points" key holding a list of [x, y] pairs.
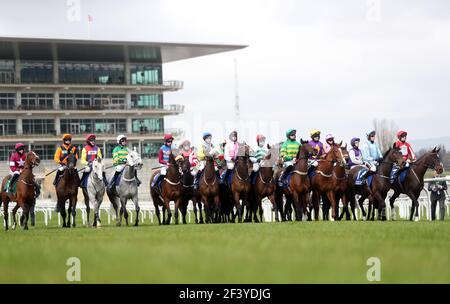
{"points": [[386, 130]]}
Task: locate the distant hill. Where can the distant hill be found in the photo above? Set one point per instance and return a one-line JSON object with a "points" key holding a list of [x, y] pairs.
{"points": [[431, 143]]}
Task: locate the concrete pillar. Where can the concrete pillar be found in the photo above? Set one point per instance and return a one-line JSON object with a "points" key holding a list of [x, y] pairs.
{"points": [[129, 125], [56, 100], [18, 99], [19, 127], [128, 100], [55, 71], [58, 125], [127, 73], [17, 71]]}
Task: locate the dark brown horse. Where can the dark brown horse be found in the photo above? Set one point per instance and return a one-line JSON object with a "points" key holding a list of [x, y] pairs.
{"points": [[67, 189], [209, 191], [171, 190], [189, 193], [25, 197], [299, 186], [322, 181], [380, 184], [413, 184], [240, 182], [264, 186]]}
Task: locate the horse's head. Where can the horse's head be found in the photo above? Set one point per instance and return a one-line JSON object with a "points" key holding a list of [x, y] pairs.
{"points": [[98, 167], [344, 152], [186, 165], [434, 162], [71, 161], [335, 154], [134, 160], [306, 150], [32, 159], [394, 155]]}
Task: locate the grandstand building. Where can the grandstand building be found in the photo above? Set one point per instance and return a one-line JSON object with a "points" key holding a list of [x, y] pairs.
{"points": [[49, 87]]}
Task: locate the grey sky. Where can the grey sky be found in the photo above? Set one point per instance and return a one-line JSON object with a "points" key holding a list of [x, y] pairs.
{"points": [[331, 65]]}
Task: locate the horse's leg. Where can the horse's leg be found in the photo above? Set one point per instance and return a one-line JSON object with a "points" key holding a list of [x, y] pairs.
{"points": [[5, 212], [298, 210], [332, 199], [361, 206], [169, 212], [194, 203], [62, 211], [316, 205], [178, 203], [69, 212], [217, 208], [261, 211], [200, 211], [123, 209], [158, 213], [414, 206], [239, 206], [33, 214], [16, 207], [87, 203], [26, 214], [137, 208], [207, 208], [391, 203], [74, 209]]}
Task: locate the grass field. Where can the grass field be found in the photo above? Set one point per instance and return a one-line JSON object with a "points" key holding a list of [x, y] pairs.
{"points": [[307, 252]]}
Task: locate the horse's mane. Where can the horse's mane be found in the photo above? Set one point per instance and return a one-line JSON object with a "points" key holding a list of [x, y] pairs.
{"points": [[387, 153]]}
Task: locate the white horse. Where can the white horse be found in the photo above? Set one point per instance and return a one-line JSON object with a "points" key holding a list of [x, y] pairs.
{"points": [[95, 190], [127, 189]]}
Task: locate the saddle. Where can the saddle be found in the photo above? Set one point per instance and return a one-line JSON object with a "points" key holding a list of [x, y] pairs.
{"points": [[6, 189]]}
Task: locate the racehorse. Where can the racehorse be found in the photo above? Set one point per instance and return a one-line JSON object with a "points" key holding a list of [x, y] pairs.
{"points": [[379, 187], [95, 190], [189, 193], [240, 182], [126, 189], [264, 187], [25, 196], [413, 184], [67, 189], [209, 192], [171, 190], [322, 181]]}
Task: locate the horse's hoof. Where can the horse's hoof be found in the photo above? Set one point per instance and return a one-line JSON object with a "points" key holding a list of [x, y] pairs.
{"points": [[416, 219], [25, 228], [136, 224], [364, 218], [14, 227], [118, 224]]}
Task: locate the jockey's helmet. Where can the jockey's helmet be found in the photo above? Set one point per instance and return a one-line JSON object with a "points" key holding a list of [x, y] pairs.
{"points": [[314, 133], [67, 136], [120, 138], [206, 134], [401, 133], [19, 146]]}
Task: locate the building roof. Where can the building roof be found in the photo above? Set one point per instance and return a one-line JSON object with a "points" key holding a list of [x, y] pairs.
{"points": [[105, 51]]}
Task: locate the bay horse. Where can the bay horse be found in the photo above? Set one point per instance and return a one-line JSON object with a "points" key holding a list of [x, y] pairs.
{"points": [[189, 193], [209, 191], [240, 182], [380, 186], [127, 189], [95, 190], [299, 185], [25, 196], [322, 181], [413, 184], [67, 189], [264, 187], [171, 190]]}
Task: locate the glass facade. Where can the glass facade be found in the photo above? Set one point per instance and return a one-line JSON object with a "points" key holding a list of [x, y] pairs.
{"points": [[36, 72], [147, 125], [32, 101], [7, 71], [44, 151], [92, 101], [99, 126], [146, 101], [91, 73], [145, 74], [7, 127], [5, 152], [150, 149], [7, 101], [39, 126]]}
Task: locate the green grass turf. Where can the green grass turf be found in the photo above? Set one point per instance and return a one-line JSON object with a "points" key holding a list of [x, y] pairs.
{"points": [[307, 252]]}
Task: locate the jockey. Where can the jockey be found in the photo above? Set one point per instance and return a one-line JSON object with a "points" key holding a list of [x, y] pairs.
{"points": [[188, 152], [90, 152], [206, 146], [329, 142], [163, 156], [406, 150], [219, 154], [62, 153], [371, 151], [355, 154], [288, 153], [231, 152], [16, 164], [261, 151], [317, 146], [120, 153]]}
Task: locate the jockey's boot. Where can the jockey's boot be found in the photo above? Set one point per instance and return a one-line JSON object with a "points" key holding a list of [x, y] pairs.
{"points": [[112, 183], [227, 174], [197, 179], [282, 179], [137, 179], [55, 182], [159, 179], [12, 181]]}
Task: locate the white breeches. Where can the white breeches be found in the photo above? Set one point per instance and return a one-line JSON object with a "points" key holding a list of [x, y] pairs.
{"points": [[163, 170], [119, 168], [202, 164], [255, 167], [230, 165], [288, 163], [14, 173]]}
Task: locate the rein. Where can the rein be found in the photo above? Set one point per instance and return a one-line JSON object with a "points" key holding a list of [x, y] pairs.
{"points": [[171, 183]]}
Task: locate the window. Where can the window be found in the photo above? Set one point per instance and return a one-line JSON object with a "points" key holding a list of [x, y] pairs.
{"points": [[146, 101], [45, 152], [38, 126], [94, 73], [7, 101], [148, 125], [99, 126], [5, 152], [7, 127], [36, 72], [32, 101], [7, 71], [145, 74], [150, 149], [92, 101]]}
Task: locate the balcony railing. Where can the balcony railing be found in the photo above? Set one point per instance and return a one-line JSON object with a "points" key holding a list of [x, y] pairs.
{"points": [[176, 108]]}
